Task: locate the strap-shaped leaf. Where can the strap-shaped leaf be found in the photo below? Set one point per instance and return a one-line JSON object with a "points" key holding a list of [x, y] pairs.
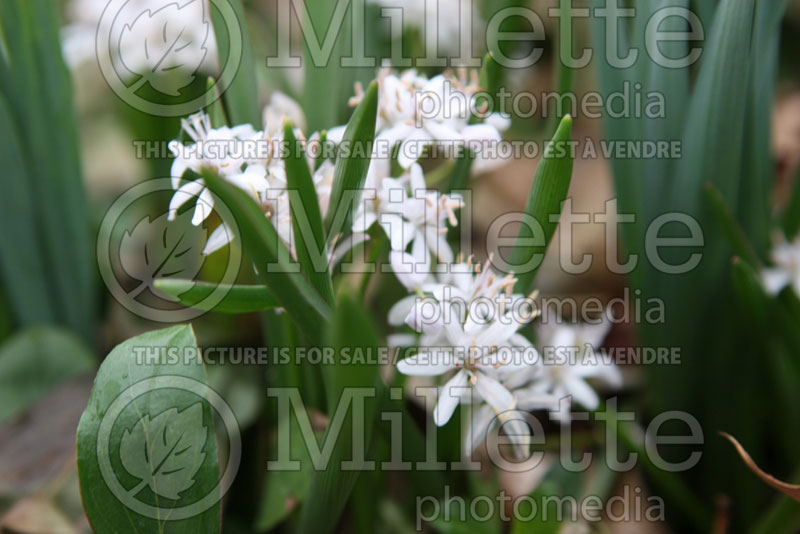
{"points": [[309, 234], [730, 228], [547, 194], [330, 488], [238, 299], [353, 162], [271, 258], [241, 95], [214, 108], [36, 84]]}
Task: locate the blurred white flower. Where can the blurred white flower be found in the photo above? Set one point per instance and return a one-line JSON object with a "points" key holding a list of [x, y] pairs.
{"points": [[786, 257], [146, 35], [571, 357]]}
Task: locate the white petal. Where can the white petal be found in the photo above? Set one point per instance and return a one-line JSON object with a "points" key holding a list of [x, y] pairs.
{"points": [[410, 273], [221, 236], [399, 312], [775, 280], [482, 418], [203, 208], [582, 392], [411, 148], [494, 393], [431, 363], [449, 396], [185, 193]]}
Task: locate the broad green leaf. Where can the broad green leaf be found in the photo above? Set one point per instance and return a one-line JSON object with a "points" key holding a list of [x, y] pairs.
{"points": [[34, 361], [241, 95], [351, 169], [309, 233], [36, 84], [730, 228], [351, 329], [238, 299], [547, 194], [271, 258], [150, 449]]}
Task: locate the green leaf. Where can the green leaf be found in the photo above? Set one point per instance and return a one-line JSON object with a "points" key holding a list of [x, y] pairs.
{"points": [[730, 228], [309, 234], [271, 258], [238, 299], [241, 95], [153, 449], [34, 361], [491, 75], [351, 169], [23, 272], [750, 292], [214, 107], [36, 85], [351, 329], [284, 489], [547, 194], [791, 216]]}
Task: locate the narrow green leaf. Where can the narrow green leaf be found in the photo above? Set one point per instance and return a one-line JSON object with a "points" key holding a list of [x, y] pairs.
{"points": [[238, 299], [271, 258], [351, 169], [352, 329], [34, 361], [730, 228], [459, 178], [791, 215], [23, 271], [214, 107], [309, 234], [750, 291], [241, 95], [36, 83], [157, 447], [491, 75], [547, 194]]}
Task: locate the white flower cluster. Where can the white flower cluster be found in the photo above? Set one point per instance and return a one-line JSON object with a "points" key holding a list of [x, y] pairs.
{"points": [[469, 322], [250, 160]]}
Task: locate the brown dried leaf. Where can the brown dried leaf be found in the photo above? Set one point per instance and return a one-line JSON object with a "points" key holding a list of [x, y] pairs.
{"points": [[787, 489]]}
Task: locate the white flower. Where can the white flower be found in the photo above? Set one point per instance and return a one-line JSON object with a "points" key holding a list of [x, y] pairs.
{"points": [[138, 35], [410, 215], [483, 349], [575, 359], [248, 159], [416, 112], [786, 257]]}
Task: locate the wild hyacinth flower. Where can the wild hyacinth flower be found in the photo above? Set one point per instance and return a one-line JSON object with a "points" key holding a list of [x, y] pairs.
{"points": [[410, 214], [415, 112], [570, 357], [786, 257], [482, 348], [250, 160], [147, 36]]}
